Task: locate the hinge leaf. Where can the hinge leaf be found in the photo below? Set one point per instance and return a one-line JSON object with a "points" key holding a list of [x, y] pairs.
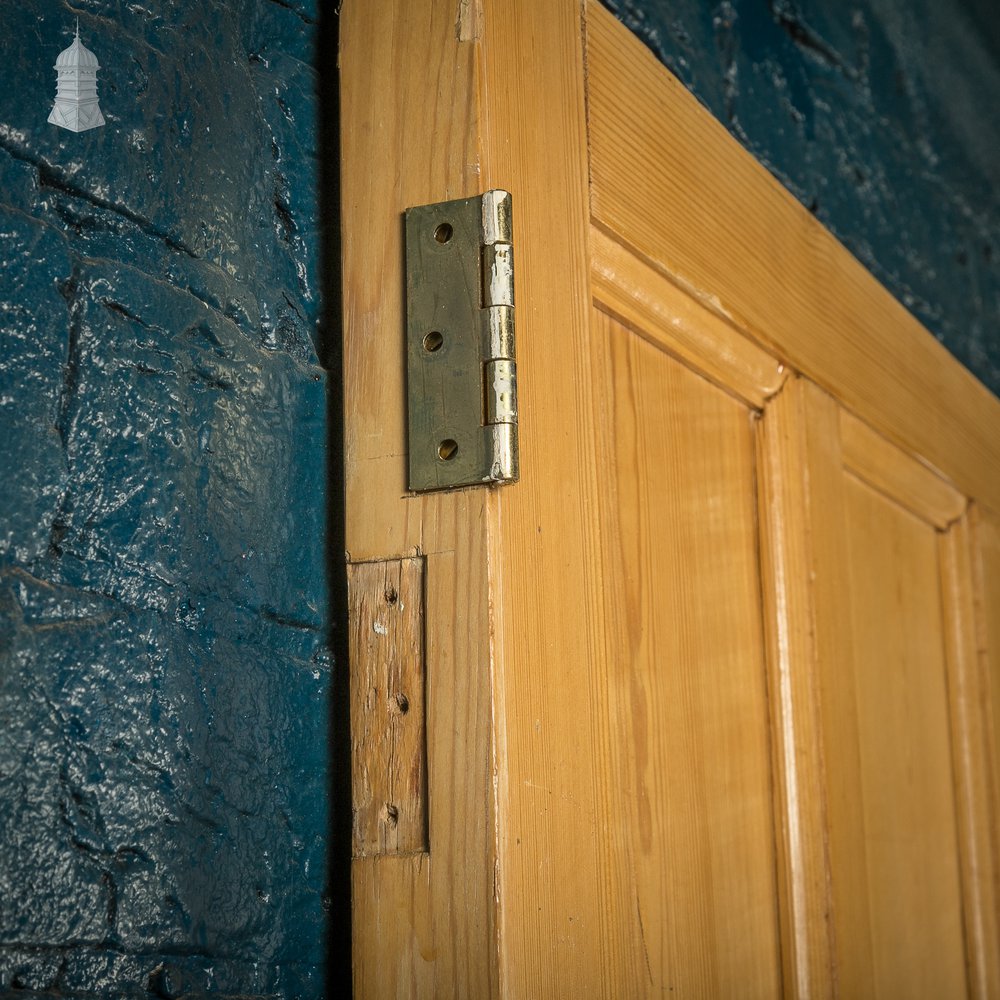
{"points": [[461, 366]]}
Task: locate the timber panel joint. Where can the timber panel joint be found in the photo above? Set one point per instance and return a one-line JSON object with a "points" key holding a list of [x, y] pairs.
{"points": [[461, 367]]}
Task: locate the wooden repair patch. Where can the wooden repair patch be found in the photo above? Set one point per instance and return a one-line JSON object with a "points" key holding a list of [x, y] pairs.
{"points": [[388, 739]]}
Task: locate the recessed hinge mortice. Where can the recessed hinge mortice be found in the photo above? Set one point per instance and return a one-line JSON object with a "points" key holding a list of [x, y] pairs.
{"points": [[461, 370]]}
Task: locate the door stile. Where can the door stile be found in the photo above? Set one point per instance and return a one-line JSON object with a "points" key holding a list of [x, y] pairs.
{"points": [[555, 880], [423, 920], [985, 531], [805, 623], [969, 702]]}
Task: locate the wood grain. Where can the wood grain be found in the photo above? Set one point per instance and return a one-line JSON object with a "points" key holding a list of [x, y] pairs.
{"points": [[408, 105], [819, 753], [600, 810], [907, 790], [548, 662], [986, 530], [898, 475], [669, 181], [691, 814], [798, 484], [658, 310], [388, 758], [969, 701], [985, 541], [423, 925]]}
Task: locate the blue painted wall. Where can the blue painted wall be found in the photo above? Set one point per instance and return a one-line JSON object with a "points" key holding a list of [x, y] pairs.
{"points": [[164, 664], [881, 116]]}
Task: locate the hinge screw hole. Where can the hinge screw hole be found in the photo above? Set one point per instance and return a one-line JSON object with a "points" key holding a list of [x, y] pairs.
{"points": [[447, 449], [443, 233], [433, 342]]}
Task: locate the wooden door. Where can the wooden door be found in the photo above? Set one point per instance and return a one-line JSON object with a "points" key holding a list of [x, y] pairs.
{"points": [[704, 704]]}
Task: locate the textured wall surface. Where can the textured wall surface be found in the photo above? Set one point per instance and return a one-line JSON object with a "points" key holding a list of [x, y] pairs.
{"points": [[163, 604], [881, 116]]}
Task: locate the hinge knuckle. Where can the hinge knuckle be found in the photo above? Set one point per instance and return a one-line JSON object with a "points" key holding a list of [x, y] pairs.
{"points": [[498, 217], [501, 391], [500, 320], [498, 275], [461, 367], [505, 453]]}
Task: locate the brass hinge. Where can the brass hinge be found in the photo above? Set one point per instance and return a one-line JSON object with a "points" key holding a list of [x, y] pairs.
{"points": [[461, 369]]}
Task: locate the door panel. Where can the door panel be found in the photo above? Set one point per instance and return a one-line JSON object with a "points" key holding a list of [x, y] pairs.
{"points": [[907, 803], [687, 698], [879, 735]]}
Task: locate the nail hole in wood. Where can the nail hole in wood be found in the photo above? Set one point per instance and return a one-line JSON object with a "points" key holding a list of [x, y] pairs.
{"points": [[390, 815], [402, 703], [390, 595]]}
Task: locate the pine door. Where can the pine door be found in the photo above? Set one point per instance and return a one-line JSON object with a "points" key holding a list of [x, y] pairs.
{"points": [[703, 705]]}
